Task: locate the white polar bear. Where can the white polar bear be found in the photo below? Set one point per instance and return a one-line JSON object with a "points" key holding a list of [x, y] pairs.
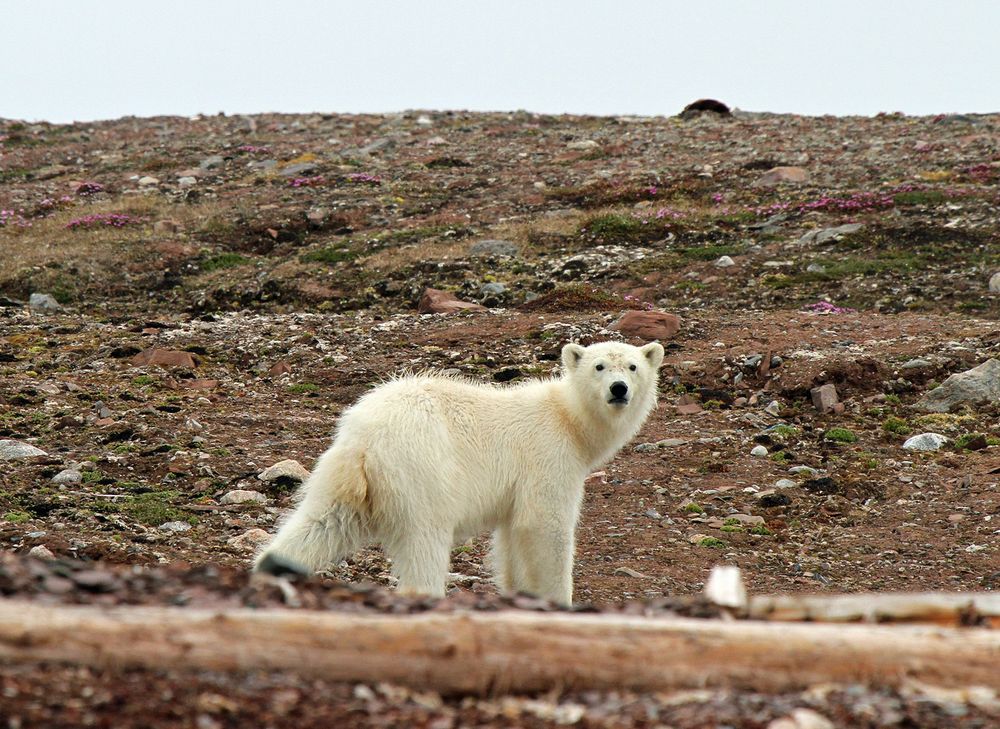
{"points": [[424, 462]]}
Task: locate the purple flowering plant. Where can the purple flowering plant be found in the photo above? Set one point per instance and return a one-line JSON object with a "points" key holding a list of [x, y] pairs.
{"points": [[825, 307], [96, 220], [315, 181], [363, 178]]}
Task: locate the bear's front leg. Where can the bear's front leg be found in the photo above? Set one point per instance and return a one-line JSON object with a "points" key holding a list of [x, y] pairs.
{"points": [[543, 553]]}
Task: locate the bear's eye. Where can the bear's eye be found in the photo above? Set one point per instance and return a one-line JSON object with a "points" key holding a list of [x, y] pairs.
{"points": [[599, 368], [632, 367]]}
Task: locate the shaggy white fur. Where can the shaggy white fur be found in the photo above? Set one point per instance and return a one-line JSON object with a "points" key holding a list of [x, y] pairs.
{"points": [[424, 462]]}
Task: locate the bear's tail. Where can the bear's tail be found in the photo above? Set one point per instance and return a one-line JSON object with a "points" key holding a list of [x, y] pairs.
{"points": [[330, 521]]}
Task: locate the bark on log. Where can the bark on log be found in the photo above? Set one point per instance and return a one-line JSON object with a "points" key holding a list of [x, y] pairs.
{"points": [[943, 608], [484, 653]]}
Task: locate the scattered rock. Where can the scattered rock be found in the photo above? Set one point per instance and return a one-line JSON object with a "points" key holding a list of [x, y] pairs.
{"points": [[166, 227], [43, 302], [803, 471], [435, 301], [826, 235], [95, 580], [148, 181], [175, 526], [773, 408], [67, 475], [494, 248], [249, 540], [211, 163], [187, 181], [759, 451], [976, 386], [582, 145], [769, 499], [165, 358], [724, 262], [925, 442], [995, 283], [242, 496], [41, 552], [785, 483], [647, 325], [916, 364], [629, 573], [300, 169], [823, 485], [492, 289], [747, 519], [824, 398], [802, 719], [976, 443], [12, 450], [279, 368], [725, 587], [287, 470], [778, 175], [687, 405]]}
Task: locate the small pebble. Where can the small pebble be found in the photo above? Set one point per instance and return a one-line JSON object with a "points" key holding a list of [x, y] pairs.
{"points": [[41, 552]]}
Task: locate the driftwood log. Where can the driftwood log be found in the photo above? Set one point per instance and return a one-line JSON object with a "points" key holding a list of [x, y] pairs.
{"points": [[497, 652], [943, 608]]}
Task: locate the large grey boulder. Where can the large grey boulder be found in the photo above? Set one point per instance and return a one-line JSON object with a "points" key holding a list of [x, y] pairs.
{"points": [[43, 302], [12, 450], [925, 442], [825, 235], [973, 387]]}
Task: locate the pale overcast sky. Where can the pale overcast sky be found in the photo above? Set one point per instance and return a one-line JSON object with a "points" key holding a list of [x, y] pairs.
{"points": [[64, 60]]}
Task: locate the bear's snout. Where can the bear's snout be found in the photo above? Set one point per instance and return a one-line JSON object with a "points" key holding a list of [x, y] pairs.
{"points": [[619, 392]]}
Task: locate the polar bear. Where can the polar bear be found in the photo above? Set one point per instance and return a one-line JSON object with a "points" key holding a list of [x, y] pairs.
{"points": [[423, 462]]}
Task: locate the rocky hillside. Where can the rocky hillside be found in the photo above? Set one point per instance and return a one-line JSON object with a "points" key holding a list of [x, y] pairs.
{"points": [[185, 303]]}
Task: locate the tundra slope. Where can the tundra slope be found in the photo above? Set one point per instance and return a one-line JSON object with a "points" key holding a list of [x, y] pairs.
{"points": [[423, 462]]}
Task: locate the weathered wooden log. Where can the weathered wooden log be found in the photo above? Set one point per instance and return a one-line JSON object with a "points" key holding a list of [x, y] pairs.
{"points": [[483, 653], [943, 608]]}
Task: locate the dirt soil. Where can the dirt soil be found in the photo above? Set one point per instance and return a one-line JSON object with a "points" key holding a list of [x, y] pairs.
{"points": [[275, 263]]}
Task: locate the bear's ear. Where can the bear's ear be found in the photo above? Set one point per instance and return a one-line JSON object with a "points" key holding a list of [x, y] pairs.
{"points": [[653, 352], [571, 356]]}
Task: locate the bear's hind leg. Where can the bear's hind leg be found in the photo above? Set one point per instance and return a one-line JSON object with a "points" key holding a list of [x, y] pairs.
{"points": [[317, 535], [420, 562]]}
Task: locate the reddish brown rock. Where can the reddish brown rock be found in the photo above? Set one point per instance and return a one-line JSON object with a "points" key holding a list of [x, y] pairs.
{"points": [[777, 175], [279, 368], [647, 324], [200, 384], [435, 301], [687, 405], [165, 358], [166, 226]]}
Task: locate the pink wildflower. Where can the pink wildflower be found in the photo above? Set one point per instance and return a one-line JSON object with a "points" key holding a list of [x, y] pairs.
{"points": [[113, 220], [307, 181], [825, 307], [364, 178]]}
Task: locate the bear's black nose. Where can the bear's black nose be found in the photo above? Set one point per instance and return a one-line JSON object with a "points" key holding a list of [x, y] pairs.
{"points": [[619, 390]]}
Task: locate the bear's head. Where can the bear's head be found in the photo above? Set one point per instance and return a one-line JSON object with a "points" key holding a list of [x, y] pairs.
{"points": [[614, 378]]}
